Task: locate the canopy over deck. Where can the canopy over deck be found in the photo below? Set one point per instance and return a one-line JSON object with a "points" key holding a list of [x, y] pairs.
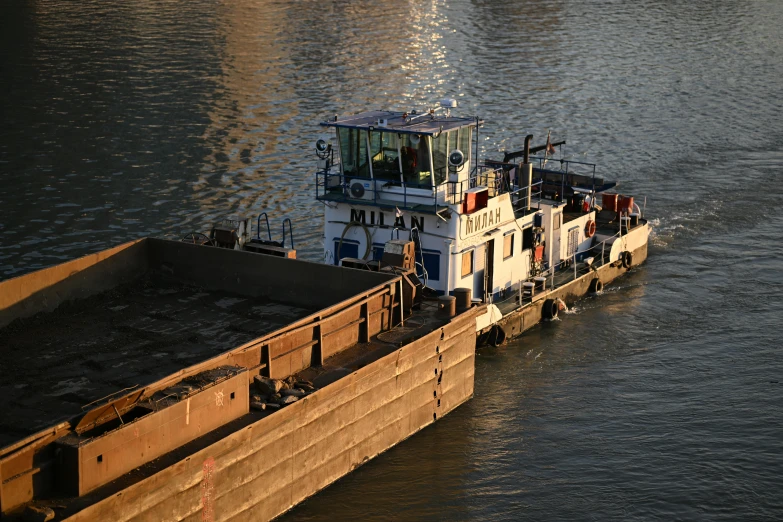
{"points": [[426, 123]]}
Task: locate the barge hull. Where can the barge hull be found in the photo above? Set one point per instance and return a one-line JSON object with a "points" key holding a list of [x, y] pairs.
{"points": [[268, 467]]}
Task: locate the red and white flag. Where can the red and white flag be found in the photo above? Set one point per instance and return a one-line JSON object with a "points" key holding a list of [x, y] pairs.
{"points": [[550, 149]]}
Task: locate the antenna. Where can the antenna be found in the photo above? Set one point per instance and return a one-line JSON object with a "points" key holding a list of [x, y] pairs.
{"points": [[448, 104]]}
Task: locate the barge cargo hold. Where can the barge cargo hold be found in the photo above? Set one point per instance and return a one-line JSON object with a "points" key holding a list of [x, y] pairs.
{"points": [[129, 376]]}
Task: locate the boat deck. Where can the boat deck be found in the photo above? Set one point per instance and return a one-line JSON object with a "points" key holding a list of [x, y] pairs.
{"points": [[54, 363], [607, 226]]}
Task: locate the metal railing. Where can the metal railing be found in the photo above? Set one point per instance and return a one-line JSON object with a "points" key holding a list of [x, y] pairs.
{"points": [[558, 275], [338, 187], [567, 168]]}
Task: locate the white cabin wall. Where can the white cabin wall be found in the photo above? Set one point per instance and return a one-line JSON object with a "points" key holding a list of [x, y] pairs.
{"points": [[583, 242], [470, 235], [510, 271], [434, 232], [552, 213]]}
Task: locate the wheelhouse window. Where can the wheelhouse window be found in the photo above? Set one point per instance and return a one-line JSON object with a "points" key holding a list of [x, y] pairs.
{"points": [[440, 155], [443, 145], [353, 152], [467, 263], [385, 155], [415, 160]]}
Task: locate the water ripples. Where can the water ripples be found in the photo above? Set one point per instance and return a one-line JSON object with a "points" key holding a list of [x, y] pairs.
{"points": [[657, 399]]}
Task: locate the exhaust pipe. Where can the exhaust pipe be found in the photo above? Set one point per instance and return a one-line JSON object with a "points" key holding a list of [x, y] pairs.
{"points": [[526, 157], [528, 168]]}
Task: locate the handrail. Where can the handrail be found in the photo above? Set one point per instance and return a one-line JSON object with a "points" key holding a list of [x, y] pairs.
{"points": [[550, 272], [290, 230], [447, 193], [258, 226]]}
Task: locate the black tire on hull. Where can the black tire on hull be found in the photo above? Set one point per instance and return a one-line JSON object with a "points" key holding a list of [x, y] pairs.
{"points": [[550, 309], [627, 259], [497, 336], [596, 286]]}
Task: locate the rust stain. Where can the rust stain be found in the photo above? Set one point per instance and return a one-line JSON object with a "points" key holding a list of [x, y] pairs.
{"points": [[207, 491]]}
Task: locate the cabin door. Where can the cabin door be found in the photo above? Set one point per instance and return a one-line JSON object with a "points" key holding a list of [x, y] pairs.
{"points": [[556, 221], [479, 275], [489, 258]]}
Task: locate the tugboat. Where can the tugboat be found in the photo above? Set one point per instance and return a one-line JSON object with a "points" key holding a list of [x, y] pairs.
{"points": [[523, 236]]}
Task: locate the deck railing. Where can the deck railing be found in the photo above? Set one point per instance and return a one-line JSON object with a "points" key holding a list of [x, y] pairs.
{"points": [[334, 186], [560, 274], [379, 192], [556, 176]]}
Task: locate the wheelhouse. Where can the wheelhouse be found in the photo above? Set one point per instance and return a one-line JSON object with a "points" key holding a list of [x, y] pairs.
{"points": [[398, 158]]}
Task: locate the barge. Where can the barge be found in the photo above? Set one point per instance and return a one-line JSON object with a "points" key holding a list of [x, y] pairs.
{"points": [[161, 380]]}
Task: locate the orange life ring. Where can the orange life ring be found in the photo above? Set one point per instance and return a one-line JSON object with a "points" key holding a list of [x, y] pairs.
{"points": [[590, 228]]}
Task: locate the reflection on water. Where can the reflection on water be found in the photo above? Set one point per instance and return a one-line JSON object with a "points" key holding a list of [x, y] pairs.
{"points": [[658, 399]]}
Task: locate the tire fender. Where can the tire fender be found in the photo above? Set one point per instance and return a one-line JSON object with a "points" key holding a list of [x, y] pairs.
{"points": [[550, 309]]}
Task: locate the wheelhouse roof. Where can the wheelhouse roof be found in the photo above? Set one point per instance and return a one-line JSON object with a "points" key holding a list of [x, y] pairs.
{"points": [[423, 123]]}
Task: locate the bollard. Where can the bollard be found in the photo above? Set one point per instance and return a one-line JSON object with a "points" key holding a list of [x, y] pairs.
{"points": [[447, 305], [463, 296]]}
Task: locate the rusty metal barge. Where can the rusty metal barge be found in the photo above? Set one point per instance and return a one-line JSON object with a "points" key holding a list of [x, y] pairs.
{"points": [[133, 380]]}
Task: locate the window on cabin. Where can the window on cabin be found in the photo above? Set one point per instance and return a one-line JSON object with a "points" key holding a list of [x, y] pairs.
{"points": [[432, 265], [415, 160], [443, 145], [353, 152], [385, 155], [527, 238], [467, 263], [464, 142], [508, 245], [440, 157], [348, 248]]}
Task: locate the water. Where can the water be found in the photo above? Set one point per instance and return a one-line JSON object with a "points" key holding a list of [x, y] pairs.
{"points": [[660, 399]]}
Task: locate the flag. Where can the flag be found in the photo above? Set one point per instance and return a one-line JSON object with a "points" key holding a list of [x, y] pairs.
{"points": [[550, 149]]}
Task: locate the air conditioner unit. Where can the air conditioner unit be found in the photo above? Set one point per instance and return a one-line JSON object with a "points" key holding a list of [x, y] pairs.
{"points": [[358, 188]]}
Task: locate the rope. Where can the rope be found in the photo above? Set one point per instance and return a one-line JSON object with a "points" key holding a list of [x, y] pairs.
{"points": [[366, 232]]}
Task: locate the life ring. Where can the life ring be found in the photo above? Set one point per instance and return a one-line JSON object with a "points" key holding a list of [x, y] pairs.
{"points": [[590, 228], [550, 309], [627, 259]]}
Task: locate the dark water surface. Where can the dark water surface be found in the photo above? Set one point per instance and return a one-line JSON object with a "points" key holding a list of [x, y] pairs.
{"points": [[660, 399]]}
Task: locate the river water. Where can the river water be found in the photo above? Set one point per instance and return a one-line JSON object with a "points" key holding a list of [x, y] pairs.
{"points": [[660, 399]]}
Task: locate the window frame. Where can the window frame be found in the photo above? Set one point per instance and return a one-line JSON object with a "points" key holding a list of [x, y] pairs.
{"points": [[472, 263], [511, 246]]}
